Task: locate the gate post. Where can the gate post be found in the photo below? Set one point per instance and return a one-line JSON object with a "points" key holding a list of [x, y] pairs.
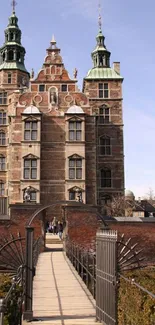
{"points": [[28, 312], [106, 277]]}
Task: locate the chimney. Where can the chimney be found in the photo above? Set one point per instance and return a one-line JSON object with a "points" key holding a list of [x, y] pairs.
{"points": [[116, 67], [139, 200]]}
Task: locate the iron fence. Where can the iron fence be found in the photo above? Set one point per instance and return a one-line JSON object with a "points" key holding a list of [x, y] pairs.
{"points": [[123, 291], [12, 305], [84, 262]]}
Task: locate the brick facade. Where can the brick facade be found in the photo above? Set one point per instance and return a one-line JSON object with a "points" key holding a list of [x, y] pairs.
{"points": [[53, 130]]}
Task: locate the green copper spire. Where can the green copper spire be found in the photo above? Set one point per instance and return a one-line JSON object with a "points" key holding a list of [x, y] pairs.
{"points": [[12, 53], [100, 55]]}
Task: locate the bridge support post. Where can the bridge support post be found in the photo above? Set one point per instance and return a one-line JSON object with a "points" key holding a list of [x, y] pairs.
{"points": [[28, 312]]}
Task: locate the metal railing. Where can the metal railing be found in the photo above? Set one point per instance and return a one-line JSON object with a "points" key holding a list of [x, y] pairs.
{"points": [[37, 246], [11, 306], [135, 303], [85, 264]]}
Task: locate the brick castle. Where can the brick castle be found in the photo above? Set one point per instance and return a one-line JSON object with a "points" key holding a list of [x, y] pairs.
{"points": [[57, 142]]}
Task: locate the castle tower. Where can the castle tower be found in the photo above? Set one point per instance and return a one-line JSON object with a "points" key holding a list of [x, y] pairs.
{"points": [[13, 73], [103, 86]]}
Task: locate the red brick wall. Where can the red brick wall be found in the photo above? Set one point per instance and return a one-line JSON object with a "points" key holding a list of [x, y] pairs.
{"points": [[18, 221], [82, 227], [141, 233]]}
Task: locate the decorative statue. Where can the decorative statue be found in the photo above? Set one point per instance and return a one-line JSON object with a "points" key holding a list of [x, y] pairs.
{"points": [[75, 73], [27, 193], [32, 74], [79, 197], [53, 96]]}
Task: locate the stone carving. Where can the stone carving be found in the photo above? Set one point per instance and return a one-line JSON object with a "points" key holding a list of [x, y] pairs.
{"points": [[27, 194], [32, 74], [75, 73], [53, 99]]}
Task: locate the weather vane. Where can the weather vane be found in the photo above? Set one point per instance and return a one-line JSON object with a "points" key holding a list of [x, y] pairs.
{"points": [[99, 17], [13, 4]]}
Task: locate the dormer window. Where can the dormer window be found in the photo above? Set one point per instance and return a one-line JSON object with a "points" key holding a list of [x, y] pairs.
{"points": [[63, 88], [41, 88]]}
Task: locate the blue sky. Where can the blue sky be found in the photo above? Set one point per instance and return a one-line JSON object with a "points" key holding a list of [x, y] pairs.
{"points": [[129, 30]]}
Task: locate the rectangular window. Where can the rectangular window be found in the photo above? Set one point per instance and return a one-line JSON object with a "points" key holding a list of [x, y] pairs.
{"points": [[41, 88], [71, 195], [106, 178], [105, 146], [30, 169], [3, 98], [2, 118], [100, 90], [75, 168], [2, 189], [103, 90], [75, 131], [104, 115], [9, 78], [2, 163], [33, 196], [64, 88], [30, 132]]}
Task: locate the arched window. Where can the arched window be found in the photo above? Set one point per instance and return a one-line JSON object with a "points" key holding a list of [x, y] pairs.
{"points": [[11, 36], [2, 189], [30, 168], [104, 115], [18, 56], [2, 138], [10, 55], [2, 163], [105, 146], [106, 177]]}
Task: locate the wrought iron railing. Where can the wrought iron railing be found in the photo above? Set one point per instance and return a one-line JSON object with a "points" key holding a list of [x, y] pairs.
{"points": [[11, 306], [37, 247], [84, 262], [136, 303]]}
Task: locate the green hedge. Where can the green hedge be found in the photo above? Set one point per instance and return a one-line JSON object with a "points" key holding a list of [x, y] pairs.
{"points": [[135, 306], [12, 314]]}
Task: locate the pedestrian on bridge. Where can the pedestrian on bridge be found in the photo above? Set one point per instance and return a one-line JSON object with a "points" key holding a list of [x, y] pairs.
{"points": [[60, 229], [55, 226]]}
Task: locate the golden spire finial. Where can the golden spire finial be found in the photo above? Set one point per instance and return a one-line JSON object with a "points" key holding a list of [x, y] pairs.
{"points": [[99, 17], [13, 4]]}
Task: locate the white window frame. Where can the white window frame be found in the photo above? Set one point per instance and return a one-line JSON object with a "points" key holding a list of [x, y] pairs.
{"points": [[103, 88]]}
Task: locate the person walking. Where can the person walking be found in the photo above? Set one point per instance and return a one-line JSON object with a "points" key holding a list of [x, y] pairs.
{"points": [[54, 224], [60, 229]]}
